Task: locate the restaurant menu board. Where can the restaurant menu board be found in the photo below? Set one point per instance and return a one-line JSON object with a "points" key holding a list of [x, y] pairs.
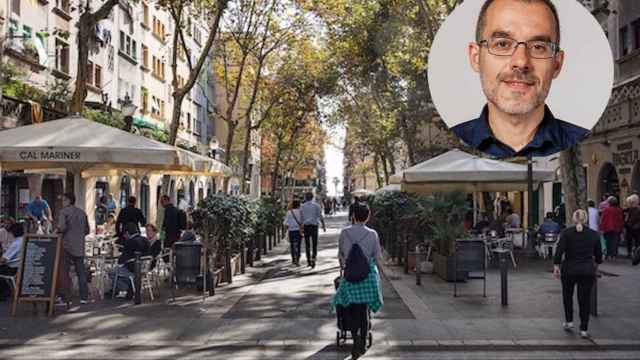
{"points": [[38, 271]]}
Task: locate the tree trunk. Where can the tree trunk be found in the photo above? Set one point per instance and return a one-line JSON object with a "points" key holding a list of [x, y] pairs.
{"points": [[86, 27], [80, 92], [409, 139], [245, 156], [376, 165], [385, 168], [276, 170], [573, 180]]}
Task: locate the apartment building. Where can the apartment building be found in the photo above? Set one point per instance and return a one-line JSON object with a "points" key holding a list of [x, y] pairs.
{"points": [[131, 61]]}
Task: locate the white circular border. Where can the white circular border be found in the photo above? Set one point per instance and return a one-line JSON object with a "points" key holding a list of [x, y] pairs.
{"points": [[579, 95]]}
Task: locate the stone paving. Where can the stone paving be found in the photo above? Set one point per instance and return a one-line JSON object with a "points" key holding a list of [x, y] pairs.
{"points": [[277, 310]]}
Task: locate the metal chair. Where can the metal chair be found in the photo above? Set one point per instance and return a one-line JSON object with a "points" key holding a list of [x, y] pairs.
{"points": [[549, 242], [11, 279]]}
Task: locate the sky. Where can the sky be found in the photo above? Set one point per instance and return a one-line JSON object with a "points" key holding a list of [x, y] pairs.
{"points": [[333, 158]]}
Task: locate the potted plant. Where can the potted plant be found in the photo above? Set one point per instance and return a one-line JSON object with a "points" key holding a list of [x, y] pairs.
{"points": [[446, 213]]}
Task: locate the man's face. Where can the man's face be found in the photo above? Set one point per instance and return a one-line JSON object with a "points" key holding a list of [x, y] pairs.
{"points": [[65, 201], [517, 84]]}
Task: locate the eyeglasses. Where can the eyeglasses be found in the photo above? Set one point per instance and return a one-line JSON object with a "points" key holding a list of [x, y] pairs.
{"points": [[504, 46]]}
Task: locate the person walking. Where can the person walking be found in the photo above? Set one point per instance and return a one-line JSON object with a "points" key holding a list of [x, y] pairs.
{"points": [[130, 214], [360, 297], [293, 221], [171, 221], [576, 262], [632, 223], [611, 225], [111, 204], [73, 226], [594, 216], [311, 214]]}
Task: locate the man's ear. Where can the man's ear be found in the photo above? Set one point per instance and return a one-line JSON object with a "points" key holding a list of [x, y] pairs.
{"points": [[558, 61], [474, 56]]}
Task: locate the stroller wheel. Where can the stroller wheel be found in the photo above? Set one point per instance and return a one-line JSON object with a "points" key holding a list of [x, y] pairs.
{"points": [[338, 338], [370, 339]]}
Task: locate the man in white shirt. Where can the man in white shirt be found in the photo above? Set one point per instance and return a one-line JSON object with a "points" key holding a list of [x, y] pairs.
{"points": [[593, 216], [10, 260], [311, 214]]}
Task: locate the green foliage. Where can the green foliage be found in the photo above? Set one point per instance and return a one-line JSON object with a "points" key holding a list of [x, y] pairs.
{"points": [[58, 95], [23, 91], [224, 221], [191, 148], [438, 216], [114, 119], [155, 134], [269, 212]]}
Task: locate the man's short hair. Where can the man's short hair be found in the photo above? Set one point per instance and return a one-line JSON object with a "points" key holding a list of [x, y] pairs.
{"points": [[131, 228], [71, 197], [17, 229], [591, 203], [549, 215], [165, 197], [361, 212], [131, 200], [482, 17], [308, 196]]}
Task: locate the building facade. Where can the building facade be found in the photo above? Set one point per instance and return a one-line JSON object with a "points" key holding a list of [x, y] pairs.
{"points": [[129, 62]]}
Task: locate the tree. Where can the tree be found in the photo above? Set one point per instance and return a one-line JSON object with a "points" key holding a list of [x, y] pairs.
{"points": [[574, 183], [179, 11], [86, 29]]}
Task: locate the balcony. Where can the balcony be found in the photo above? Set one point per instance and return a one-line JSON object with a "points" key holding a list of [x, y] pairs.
{"points": [[15, 112]]}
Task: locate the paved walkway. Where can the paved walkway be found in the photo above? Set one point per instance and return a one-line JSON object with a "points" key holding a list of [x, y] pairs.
{"points": [[280, 311]]}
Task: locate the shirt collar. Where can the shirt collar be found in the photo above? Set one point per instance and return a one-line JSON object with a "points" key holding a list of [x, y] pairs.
{"points": [[483, 136]]}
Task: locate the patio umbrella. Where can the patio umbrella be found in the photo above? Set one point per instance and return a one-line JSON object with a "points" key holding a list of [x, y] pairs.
{"points": [[75, 143], [457, 170], [361, 192], [389, 188]]}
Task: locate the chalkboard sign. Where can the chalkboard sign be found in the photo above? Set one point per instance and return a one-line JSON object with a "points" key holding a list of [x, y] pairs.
{"points": [[470, 256], [38, 272]]}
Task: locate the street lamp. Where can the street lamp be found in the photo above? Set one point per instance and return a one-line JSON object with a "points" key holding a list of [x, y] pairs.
{"points": [[128, 109]]}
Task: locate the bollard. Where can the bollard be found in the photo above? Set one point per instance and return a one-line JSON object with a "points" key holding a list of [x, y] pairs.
{"points": [[243, 258], [418, 271], [137, 297], [263, 240], [406, 255], [504, 295]]}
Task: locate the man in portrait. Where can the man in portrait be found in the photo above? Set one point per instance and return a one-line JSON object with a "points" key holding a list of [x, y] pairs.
{"points": [[517, 54]]}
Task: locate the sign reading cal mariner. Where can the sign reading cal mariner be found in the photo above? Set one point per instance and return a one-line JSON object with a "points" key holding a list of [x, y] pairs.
{"points": [[50, 155]]}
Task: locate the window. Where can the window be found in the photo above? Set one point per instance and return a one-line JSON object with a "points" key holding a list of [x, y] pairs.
{"points": [[197, 34], [94, 75], [15, 7], [158, 28], [62, 56], [64, 5], [13, 27], [127, 45], [189, 122], [157, 108], [624, 41], [145, 14], [158, 68], [636, 33], [145, 56], [198, 120], [90, 73], [145, 100]]}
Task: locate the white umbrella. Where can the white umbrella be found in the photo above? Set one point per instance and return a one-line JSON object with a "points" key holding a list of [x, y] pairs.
{"points": [[80, 144], [389, 188], [362, 192]]}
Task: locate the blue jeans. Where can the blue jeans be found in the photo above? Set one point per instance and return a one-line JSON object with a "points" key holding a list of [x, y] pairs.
{"points": [[295, 238], [123, 278]]}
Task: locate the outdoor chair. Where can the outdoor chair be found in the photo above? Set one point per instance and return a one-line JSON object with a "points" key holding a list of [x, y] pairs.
{"points": [[549, 242], [11, 280], [145, 274]]}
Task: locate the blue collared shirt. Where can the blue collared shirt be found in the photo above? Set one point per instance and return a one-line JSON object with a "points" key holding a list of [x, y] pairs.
{"points": [[311, 213], [553, 135]]}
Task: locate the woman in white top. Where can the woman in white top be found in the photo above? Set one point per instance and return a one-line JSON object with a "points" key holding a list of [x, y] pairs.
{"points": [[293, 221]]}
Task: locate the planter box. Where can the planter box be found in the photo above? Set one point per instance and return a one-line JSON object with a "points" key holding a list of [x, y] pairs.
{"points": [[444, 267]]}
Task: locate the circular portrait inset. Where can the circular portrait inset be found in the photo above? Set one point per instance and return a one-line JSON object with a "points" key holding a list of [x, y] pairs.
{"points": [[520, 77]]}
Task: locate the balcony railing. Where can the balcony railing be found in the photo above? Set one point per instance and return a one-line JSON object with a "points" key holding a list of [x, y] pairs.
{"points": [[15, 112]]}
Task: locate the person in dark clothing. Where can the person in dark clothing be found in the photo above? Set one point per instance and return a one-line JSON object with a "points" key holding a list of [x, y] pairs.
{"points": [[134, 243], [632, 223], [581, 249], [171, 222], [351, 209], [549, 226], [130, 214]]}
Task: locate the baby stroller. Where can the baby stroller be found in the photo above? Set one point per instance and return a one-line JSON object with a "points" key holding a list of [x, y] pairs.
{"points": [[344, 330]]}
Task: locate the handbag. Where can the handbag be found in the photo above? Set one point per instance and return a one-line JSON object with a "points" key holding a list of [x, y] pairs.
{"points": [[301, 226]]}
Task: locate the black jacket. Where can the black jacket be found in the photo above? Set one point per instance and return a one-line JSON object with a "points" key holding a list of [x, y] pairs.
{"points": [[581, 251], [130, 214], [171, 225], [131, 245]]}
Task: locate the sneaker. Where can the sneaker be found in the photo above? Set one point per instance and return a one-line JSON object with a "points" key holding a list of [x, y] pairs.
{"points": [[60, 302], [84, 302], [584, 334], [568, 326]]}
